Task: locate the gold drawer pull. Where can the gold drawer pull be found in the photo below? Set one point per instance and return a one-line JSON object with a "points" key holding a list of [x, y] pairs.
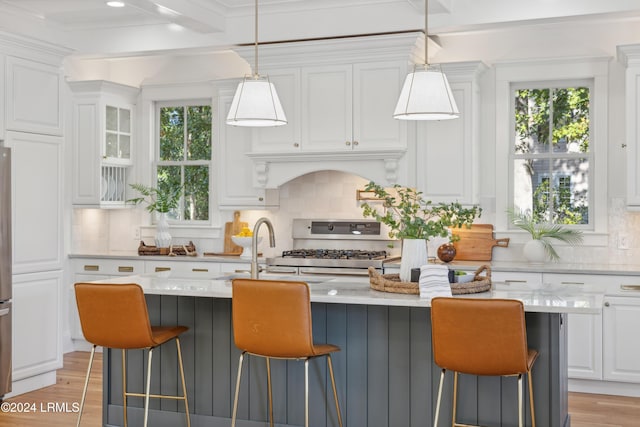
{"points": [[509, 281], [200, 270], [91, 268], [630, 287], [572, 283], [158, 269], [125, 269]]}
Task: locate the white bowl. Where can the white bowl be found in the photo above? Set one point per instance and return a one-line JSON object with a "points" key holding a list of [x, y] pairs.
{"points": [[466, 278], [245, 242]]}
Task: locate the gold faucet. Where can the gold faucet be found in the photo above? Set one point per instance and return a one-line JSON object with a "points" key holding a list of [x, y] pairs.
{"points": [[254, 244]]}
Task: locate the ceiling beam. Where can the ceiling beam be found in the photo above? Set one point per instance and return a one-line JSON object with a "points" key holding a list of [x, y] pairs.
{"points": [[186, 13]]}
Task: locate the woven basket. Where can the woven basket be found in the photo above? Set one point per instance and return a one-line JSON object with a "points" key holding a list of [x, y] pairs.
{"points": [[391, 283]]}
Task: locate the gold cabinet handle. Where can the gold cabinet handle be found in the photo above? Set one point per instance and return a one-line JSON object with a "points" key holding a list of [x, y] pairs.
{"points": [[295, 144], [347, 143], [355, 143], [200, 270], [158, 269], [630, 287], [125, 269], [572, 283], [91, 268]]}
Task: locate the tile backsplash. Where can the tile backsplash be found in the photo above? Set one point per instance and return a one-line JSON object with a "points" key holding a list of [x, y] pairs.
{"points": [[324, 194]]}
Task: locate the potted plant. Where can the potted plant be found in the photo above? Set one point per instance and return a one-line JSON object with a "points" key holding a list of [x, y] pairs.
{"points": [[414, 220], [162, 200], [539, 248]]}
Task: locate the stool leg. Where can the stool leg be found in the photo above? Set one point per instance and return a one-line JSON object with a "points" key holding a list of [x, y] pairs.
{"points": [[335, 392], [86, 384], [147, 388], [306, 392], [124, 386], [235, 399], [520, 403], [531, 405], [455, 398], [435, 420], [269, 391], [184, 386]]}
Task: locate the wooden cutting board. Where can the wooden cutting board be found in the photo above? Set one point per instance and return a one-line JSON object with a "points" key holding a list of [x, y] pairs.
{"points": [[476, 243], [231, 229]]}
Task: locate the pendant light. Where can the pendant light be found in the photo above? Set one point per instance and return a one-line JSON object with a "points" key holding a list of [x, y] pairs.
{"points": [[426, 94], [256, 102]]}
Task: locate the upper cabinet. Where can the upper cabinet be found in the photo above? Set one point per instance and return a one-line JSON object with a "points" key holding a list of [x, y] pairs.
{"points": [[447, 150], [103, 130], [338, 96], [630, 57], [336, 108], [33, 98]]}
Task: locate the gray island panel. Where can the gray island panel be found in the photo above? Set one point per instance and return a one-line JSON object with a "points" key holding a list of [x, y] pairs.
{"points": [[385, 373]]}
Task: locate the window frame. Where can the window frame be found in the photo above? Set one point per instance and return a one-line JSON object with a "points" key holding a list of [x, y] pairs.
{"points": [[182, 163], [509, 74], [145, 172], [551, 155]]}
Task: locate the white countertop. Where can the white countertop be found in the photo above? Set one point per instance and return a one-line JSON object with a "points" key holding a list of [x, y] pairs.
{"points": [[584, 299]]}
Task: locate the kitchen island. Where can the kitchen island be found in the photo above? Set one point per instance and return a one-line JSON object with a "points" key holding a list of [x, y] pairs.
{"points": [[385, 372]]}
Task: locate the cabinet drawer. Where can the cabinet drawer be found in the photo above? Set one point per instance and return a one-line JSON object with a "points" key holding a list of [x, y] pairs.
{"points": [[517, 278], [204, 268], [115, 267]]}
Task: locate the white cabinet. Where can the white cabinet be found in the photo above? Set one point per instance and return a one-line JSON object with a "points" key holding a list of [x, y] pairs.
{"points": [[103, 130], [205, 269], [33, 96], [337, 108], [621, 320], [447, 150], [36, 174], [629, 55], [518, 278], [37, 324], [235, 170]]}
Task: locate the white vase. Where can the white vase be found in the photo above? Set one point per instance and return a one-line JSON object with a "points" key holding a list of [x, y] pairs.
{"points": [[163, 237], [534, 252], [414, 255]]}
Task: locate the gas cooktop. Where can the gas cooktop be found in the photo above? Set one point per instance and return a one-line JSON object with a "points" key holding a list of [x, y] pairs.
{"points": [[334, 254]]}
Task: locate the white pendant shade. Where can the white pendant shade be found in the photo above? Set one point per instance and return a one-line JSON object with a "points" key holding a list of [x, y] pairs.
{"points": [[426, 95], [256, 104]]}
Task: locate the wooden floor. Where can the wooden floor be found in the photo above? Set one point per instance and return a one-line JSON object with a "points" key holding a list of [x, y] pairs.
{"points": [[56, 405]]}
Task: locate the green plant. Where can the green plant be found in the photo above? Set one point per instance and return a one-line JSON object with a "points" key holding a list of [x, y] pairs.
{"points": [[545, 231], [409, 216], [162, 199]]}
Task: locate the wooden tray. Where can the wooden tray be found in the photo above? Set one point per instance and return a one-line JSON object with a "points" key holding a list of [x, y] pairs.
{"points": [[392, 283], [173, 250]]}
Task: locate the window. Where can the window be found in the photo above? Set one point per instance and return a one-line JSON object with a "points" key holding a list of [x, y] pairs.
{"points": [[575, 168], [183, 155], [551, 156]]}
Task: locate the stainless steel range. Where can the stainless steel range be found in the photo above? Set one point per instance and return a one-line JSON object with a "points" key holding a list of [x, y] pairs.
{"points": [[335, 247]]}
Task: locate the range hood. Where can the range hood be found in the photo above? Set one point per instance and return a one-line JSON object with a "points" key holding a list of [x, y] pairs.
{"points": [[271, 170]]}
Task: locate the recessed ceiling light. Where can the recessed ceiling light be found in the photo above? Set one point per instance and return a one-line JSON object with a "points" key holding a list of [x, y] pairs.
{"points": [[115, 3]]}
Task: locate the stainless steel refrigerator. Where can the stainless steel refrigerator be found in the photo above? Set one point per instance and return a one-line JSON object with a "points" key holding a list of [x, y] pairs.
{"points": [[5, 271]]}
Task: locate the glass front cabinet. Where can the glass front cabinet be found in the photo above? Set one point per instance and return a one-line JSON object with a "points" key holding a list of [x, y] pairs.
{"points": [[103, 129]]}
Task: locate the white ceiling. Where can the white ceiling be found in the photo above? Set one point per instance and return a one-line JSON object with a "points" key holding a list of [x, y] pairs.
{"points": [[91, 28]]}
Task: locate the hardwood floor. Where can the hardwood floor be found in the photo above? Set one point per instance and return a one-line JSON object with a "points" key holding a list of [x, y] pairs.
{"points": [[587, 410]]}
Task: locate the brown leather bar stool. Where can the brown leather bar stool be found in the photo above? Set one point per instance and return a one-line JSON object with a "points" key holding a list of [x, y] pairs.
{"points": [[272, 319], [481, 337], [115, 316]]}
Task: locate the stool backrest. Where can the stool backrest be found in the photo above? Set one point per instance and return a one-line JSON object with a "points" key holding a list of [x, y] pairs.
{"points": [[272, 318], [479, 336], [114, 315]]}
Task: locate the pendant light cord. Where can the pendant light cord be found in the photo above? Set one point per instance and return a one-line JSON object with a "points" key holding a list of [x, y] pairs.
{"points": [[426, 33], [255, 69]]}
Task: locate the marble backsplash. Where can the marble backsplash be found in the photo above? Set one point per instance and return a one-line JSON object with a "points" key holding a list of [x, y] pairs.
{"points": [[325, 194]]}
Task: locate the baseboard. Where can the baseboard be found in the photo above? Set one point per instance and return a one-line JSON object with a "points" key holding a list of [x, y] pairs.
{"points": [[604, 387], [35, 382]]}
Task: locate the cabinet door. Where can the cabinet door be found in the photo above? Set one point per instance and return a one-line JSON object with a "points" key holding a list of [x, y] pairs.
{"points": [[37, 201], [621, 323], [282, 138], [327, 108], [86, 153], [376, 87], [445, 151], [34, 97], [235, 169], [37, 323], [584, 348]]}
